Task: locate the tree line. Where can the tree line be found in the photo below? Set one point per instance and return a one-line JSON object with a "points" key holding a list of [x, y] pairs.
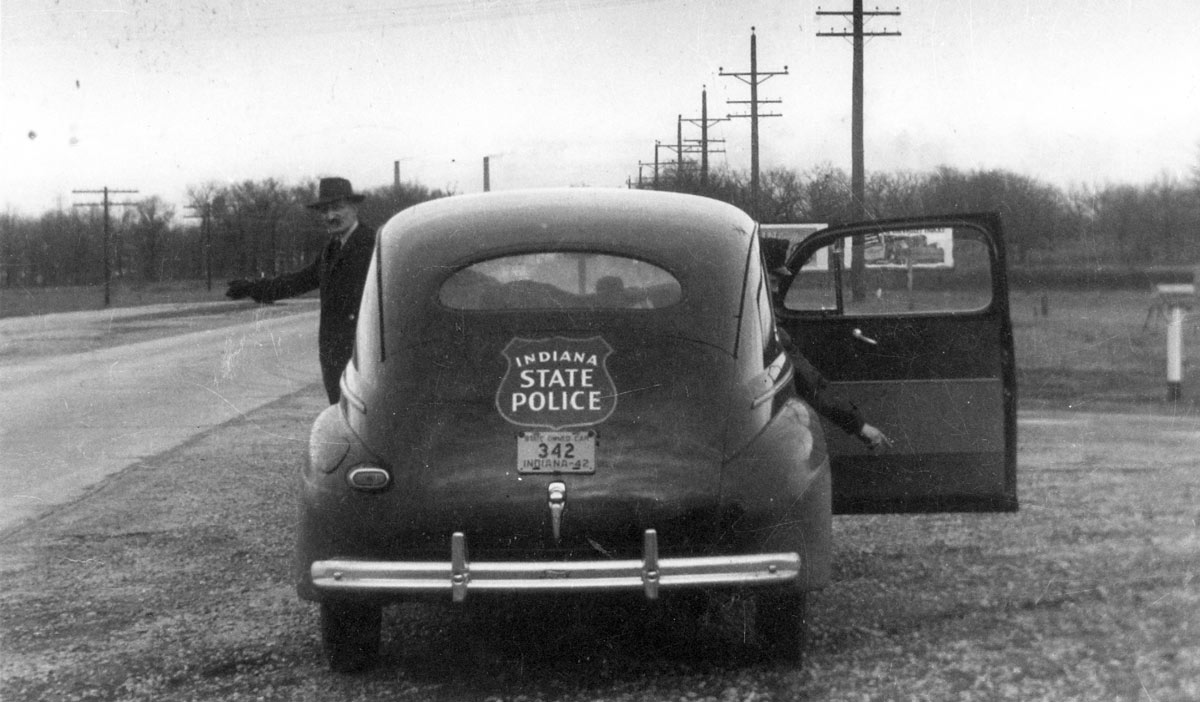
{"points": [[261, 227], [1157, 224], [246, 229]]}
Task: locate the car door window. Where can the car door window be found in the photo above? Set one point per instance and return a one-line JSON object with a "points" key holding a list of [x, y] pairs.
{"points": [[900, 272]]}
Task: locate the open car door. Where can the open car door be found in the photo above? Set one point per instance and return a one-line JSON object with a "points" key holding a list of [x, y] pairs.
{"points": [[909, 319]]}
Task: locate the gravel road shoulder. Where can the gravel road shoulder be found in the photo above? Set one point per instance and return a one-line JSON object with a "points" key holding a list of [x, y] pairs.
{"points": [[170, 581]]}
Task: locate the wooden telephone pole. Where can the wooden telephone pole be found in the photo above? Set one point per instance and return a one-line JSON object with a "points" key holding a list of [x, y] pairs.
{"points": [[858, 175], [105, 204], [704, 123], [657, 164], [858, 34], [682, 146], [753, 77], [205, 217]]}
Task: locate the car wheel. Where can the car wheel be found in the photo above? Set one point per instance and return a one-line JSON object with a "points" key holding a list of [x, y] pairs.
{"points": [[781, 621], [350, 632]]}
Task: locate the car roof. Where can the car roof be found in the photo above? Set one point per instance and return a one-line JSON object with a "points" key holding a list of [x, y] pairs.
{"points": [[484, 225], [703, 242]]}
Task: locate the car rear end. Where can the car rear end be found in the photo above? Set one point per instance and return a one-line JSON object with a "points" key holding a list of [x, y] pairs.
{"points": [[551, 398]]}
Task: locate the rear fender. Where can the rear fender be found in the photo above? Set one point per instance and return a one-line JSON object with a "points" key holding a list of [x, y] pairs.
{"points": [[325, 498], [777, 493]]}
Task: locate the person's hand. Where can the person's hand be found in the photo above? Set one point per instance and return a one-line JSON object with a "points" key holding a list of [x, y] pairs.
{"points": [[873, 438], [241, 288]]}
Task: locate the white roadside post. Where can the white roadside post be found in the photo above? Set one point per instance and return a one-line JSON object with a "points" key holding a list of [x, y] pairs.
{"points": [[1177, 298]]}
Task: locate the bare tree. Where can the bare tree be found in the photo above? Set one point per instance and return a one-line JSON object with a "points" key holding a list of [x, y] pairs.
{"points": [[149, 227], [827, 195]]}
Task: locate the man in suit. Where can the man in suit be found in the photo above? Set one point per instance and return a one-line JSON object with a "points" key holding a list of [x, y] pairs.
{"points": [[339, 272]]}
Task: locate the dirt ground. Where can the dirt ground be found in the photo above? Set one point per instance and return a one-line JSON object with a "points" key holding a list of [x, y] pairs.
{"points": [[170, 581]]}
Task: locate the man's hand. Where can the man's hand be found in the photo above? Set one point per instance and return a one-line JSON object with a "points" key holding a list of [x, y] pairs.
{"points": [[873, 438], [241, 289]]}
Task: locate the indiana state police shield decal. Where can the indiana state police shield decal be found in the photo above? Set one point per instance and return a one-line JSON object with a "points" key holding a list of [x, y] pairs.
{"points": [[557, 382]]}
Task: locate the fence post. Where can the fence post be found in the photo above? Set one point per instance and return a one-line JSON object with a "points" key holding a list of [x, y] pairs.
{"points": [[1177, 298]]}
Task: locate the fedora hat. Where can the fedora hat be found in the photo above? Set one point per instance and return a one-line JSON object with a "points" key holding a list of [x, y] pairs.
{"points": [[333, 189]]}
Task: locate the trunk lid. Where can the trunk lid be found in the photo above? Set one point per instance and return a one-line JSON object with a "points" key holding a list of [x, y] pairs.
{"points": [[651, 402]]}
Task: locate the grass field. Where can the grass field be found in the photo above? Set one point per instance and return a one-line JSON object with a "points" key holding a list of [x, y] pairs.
{"points": [[1093, 348], [1097, 347]]}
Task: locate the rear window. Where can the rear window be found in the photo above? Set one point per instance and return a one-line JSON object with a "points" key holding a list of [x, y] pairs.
{"points": [[567, 280]]}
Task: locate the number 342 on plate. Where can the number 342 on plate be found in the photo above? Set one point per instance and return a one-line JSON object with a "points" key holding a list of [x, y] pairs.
{"points": [[556, 452]]}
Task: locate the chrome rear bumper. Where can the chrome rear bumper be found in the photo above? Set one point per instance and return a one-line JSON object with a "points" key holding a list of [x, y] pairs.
{"points": [[648, 574]]}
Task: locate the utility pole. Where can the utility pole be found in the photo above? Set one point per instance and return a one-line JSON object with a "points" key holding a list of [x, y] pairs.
{"points": [[858, 175], [642, 165], [656, 164], [704, 123], [205, 218], [753, 78], [106, 204], [657, 146], [857, 33], [678, 148]]}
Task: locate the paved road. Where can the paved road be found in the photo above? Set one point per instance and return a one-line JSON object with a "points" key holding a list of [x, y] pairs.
{"points": [[68, 420]]}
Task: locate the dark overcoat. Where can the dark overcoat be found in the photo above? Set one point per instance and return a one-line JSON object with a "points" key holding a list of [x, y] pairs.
{"points": [[340, 275], [813, 388]]}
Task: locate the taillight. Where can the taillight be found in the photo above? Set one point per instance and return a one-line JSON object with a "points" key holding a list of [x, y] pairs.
{"points": [[368, 478]]}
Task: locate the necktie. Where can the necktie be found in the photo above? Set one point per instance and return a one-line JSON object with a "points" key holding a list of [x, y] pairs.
{"points": [[331, 256]]}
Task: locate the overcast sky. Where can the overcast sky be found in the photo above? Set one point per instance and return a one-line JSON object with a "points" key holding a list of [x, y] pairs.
{"points": [[156, 96]]}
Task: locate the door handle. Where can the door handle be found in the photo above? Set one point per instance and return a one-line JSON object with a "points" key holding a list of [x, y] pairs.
{"points": [[858, 334]]}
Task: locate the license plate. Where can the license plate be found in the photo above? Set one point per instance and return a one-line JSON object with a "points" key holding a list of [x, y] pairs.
{"points": [[556, 452]]}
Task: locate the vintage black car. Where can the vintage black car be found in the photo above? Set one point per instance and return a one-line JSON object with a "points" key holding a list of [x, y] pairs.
{"points": [[584, 391]]}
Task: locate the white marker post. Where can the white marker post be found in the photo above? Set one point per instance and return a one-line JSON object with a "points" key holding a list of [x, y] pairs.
{"points": [[1177, 298]]}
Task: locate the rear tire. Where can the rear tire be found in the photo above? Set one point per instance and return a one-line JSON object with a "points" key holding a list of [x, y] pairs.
{"points": [[350, 632], [781, 622]]}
